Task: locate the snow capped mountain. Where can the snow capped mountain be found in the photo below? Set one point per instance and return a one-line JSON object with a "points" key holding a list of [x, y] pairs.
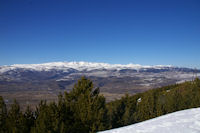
{"points": [[113, 79], [186, 121], [131, 74], [80, 66]]}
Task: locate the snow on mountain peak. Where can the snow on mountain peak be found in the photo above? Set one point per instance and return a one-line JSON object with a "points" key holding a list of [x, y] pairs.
{"points": [[75, 65]]}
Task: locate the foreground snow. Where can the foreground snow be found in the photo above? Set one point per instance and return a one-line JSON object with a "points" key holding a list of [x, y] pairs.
{"points": [[186, 121]]}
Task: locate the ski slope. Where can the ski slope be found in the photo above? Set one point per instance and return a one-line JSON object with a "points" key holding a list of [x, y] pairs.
{"points": [[186, 121]]}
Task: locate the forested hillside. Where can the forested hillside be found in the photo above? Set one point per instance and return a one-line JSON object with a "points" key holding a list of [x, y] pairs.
{"points": [[154, 103], [84, 110]]}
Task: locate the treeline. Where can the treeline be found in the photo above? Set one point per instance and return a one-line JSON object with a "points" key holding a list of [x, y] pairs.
{"points": [[153, 103], [84, 110]]}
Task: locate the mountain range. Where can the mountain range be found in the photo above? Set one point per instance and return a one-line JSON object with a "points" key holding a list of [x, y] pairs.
{"points": [[45, 81]]}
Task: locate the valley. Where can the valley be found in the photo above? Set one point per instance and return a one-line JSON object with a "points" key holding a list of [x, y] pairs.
{"points": [[30, 84]]}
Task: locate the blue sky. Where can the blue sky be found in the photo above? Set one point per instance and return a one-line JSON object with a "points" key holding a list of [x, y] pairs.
{"points": [[147, 32]]}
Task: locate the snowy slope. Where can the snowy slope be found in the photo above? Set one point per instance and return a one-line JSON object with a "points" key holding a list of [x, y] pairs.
{"points": [[75, 65], [186, 121]]}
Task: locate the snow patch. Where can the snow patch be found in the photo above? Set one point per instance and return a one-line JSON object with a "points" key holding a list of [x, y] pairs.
{"points": [[139, 100], [186, 121]]}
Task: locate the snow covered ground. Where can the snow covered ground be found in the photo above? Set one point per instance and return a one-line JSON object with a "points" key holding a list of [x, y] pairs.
{"points": [[186, 121]]}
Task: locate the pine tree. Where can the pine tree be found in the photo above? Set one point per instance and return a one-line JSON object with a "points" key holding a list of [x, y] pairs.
{"points": [[42, 123], [15, 119], [3, 116], [29, 119], [88, 107]]}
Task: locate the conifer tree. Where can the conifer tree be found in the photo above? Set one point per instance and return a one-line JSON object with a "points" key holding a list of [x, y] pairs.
{"points": [[29, 119], [89, 110], [42, 123], [15, 119], [3, 116]]}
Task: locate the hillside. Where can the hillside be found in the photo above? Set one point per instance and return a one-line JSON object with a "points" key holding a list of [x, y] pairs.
{"points": [[153, 103], [85, 110], [186, 121]]}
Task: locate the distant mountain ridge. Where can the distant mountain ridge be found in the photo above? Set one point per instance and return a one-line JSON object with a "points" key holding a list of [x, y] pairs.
{"points": [[64, 70], [113, 79], [78, 66]]}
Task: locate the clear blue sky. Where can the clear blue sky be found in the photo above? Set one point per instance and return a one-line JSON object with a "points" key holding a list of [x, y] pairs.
{"points": [[147, 32]]}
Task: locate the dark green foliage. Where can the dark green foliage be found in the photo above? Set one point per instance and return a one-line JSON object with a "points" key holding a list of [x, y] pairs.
{"points": [[121, 111], [89, 108], [154, 103], [15, 120], [3, 116], [81, 110], [29, 119], [84, 110]]}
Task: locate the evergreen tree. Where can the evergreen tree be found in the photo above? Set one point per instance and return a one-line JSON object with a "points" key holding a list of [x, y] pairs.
{"points": [[29, 119], [88, 107], [42, 123], [16, 120], [3, 116]]}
